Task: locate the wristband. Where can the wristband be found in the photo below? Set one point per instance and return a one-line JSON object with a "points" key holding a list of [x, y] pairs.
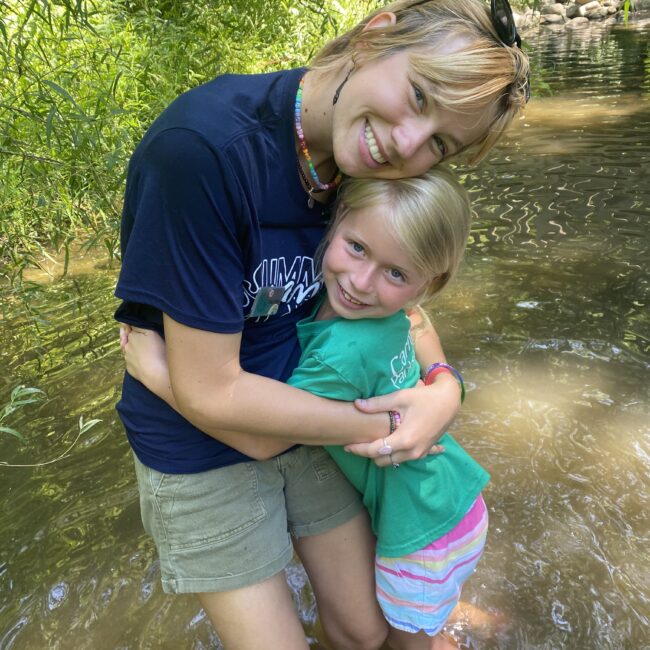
{"points": [[435, 372], [436, 368]]}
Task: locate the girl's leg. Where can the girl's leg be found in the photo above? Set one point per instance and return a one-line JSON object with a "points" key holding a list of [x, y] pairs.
{"points": [[332, 536], [340, 565], [259, 617], [400, 640], [418, 591]]}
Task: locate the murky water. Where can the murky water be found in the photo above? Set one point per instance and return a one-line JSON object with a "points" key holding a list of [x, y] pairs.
{"points": [[549, 324]]}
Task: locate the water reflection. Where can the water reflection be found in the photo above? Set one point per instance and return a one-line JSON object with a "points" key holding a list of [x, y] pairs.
{"points": [[549, 323]]}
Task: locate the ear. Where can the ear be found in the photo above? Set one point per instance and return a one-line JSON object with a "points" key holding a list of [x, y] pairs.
{"points": [[384, 19], [431, 287]]}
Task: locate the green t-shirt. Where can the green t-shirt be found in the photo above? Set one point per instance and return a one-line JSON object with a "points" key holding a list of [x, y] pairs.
{"points": [[417, 503]]}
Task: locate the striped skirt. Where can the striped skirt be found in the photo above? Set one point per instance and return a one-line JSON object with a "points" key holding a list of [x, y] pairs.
{"points": [[418, 591]]}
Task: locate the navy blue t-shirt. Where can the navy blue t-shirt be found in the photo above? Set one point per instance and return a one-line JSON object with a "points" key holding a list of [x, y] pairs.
{"points": [[214, 211]]}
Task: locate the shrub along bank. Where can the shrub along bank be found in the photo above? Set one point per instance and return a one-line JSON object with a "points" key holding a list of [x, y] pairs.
{"points": [[82, 79]]}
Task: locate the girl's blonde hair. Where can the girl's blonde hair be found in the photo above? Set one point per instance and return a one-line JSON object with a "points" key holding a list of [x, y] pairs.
{"points": [[483, 70], [429, 214]]}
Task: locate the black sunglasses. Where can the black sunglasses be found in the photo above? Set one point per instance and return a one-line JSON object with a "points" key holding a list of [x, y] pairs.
{"points": [[504, 22], [502, 19], [504, 25]]}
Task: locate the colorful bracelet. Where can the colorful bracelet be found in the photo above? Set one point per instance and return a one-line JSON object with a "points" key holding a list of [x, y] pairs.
{"points": [[395, 420], [436, 368]]}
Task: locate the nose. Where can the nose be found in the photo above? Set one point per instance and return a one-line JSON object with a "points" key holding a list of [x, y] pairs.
{"points": [[409, 137], [363, 278]]}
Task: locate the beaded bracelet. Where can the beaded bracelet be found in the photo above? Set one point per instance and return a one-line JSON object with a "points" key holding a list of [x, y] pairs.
{"points": [[436, 368], [395, 421]]}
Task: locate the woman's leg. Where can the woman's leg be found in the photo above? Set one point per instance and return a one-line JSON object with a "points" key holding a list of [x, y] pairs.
{"points": [[340, 566], [222, 534], [259, 617]]}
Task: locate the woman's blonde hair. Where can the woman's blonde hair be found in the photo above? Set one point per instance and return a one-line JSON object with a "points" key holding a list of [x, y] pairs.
{"points": [[429, 214], [483, 70]]}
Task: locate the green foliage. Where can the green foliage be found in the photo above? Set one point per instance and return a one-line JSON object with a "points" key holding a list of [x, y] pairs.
{"points": [[20, 397], [82, 79], [629, 4], [534, 4]]}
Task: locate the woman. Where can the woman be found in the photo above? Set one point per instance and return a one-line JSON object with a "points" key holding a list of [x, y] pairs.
{"points": [[226, 202]]}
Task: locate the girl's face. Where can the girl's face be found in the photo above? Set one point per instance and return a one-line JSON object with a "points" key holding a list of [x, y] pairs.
{"points": [[386, 123], [366, 271]]}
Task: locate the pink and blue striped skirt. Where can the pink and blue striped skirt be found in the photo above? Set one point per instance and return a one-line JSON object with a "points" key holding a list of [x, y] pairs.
{"points": [[418, 591]]}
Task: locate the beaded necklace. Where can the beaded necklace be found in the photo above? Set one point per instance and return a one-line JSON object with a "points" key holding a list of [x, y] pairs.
{"points": [[320, 186]]}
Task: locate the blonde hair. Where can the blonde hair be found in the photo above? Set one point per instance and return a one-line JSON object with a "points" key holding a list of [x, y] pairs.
{"points": [[430, 215], [483, 70]]}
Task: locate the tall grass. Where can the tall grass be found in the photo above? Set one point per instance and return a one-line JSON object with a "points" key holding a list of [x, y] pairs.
{"points": [[82, 79]]}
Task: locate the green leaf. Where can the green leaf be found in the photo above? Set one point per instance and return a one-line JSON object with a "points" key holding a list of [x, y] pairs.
{"points": [[22, 391], [48, 125], [86, 426], [65, 94], [13, 432]]}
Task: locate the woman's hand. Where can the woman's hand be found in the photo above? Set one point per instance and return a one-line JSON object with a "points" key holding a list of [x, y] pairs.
{"points": [[425, 411]]}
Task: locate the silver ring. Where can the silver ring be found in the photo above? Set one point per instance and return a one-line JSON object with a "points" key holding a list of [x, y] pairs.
{"points": [[390, 457], [386, 450]]}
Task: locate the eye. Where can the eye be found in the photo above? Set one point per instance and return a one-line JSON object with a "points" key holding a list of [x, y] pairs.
{"points": [[440, 145], [356, 246], [396, 275], [420, 99]]}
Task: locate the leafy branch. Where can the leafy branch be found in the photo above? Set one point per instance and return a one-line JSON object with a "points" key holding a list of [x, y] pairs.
{"points": [[83, 427], [20, 397]]}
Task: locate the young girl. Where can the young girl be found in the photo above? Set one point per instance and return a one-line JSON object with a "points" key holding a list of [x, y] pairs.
{"points": [[226, 201], [392, 244]]}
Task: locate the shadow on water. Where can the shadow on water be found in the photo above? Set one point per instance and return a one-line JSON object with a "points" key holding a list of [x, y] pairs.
{"points": [[549, 323]]}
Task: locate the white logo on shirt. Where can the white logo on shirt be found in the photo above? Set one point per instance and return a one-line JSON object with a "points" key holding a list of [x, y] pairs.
{"points": [[300, 281], [400, 364]]}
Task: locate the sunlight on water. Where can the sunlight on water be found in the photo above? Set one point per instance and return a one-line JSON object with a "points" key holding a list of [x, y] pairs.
{"points": [[578, 112], [548, 322]]}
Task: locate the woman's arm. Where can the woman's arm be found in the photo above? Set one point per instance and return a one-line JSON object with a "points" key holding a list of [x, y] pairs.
{"points": [[146, 361], [211, 390]]}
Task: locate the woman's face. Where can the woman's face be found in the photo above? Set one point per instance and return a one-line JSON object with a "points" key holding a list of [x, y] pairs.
{"points": [[387, 124]]}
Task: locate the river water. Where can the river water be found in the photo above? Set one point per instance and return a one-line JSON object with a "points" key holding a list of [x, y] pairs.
{"points": [[549, 324]]}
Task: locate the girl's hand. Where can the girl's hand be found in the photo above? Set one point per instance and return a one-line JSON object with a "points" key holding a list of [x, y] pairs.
{"points": [[146, 358], [426, 412], [125, 330]]}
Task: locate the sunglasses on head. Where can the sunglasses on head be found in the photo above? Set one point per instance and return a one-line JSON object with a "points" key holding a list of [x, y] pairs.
{"points": [[504, 25], [504, 22], [502, 19]]}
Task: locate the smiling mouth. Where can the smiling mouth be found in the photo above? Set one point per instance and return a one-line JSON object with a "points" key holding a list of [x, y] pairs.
{"points": [[351, 298], [371, 142]]}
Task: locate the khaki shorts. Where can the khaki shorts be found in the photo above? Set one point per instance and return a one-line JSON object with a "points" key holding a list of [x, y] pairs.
{"points": [[231, 527]]}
